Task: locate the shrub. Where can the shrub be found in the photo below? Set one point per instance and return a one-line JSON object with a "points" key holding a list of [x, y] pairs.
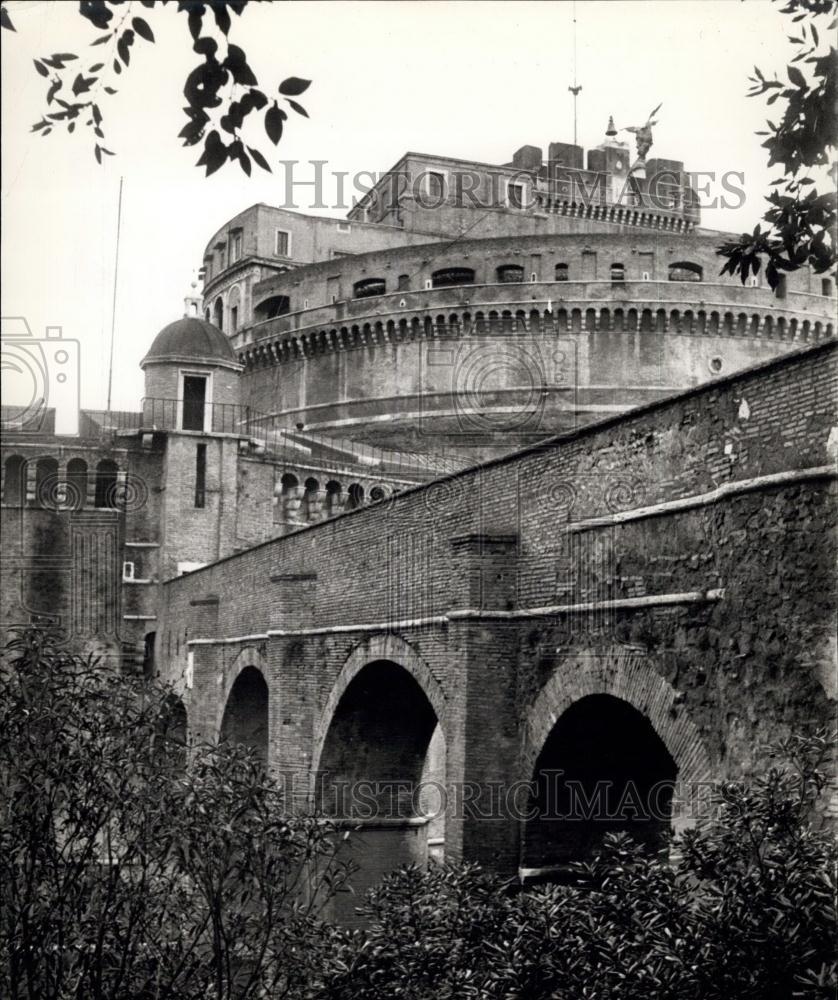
{"points": [[133, 868]]}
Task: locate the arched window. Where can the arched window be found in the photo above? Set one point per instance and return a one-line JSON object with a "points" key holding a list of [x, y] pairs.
{"points": [[14, 481], [452, 276], [77, 483], [289, 481], [332, 497], [275, 305], [508, 273], [46, 482], [404, 282], [312, 498], [355, 496], [368, 287], [561, 272], [234, 303], [685, 271], [618, 273], [106, 472], [218, 313]]}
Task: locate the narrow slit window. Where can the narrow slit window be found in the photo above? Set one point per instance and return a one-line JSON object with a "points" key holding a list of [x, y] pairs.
{"points": [[201, 476]]}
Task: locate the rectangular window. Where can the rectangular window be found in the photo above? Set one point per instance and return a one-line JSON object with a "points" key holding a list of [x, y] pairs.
{"points": [[236, 247], [234, 318], [344, 227], [127, 571], [283, 243], [194, 402], [201, 476], [515, 195]]}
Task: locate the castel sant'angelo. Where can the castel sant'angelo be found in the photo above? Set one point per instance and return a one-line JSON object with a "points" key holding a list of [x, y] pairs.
{"points": [[495, 463]]}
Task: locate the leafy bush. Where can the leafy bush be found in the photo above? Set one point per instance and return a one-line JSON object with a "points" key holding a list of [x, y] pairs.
{"points": [[747, 913], [131, 868]]}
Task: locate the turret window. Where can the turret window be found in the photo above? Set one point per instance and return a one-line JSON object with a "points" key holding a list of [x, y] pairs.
{"points": [[194, 398], [282, 246]]}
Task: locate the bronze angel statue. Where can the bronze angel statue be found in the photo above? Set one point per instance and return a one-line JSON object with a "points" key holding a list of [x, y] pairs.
{"points": [[643, 133]]}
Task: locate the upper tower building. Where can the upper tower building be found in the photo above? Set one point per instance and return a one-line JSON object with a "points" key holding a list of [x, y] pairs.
{"points": [[463, 309]]}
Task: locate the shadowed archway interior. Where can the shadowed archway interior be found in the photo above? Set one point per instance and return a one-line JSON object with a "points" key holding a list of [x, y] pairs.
{"points": [[383, 745], [602, 769], [245, 720]]}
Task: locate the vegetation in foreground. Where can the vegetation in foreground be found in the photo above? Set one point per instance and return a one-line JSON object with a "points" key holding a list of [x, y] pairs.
{"points": [[133, 870]]}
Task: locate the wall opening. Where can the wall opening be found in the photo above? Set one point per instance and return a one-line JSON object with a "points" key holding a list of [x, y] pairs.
{"points": [[561, 272], [449, 276], [77, 483], [509, 273], [201, 475], [245, 721], [381, 735], [355, 496], [685, 271], [602, 769], [14, 481], [106, 478], [194, 402], [369, 287], [276, 305]]}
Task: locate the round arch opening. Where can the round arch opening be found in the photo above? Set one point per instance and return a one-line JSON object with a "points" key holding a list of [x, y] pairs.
{"points": [[245, 720], [603, 769], [383, 758]]}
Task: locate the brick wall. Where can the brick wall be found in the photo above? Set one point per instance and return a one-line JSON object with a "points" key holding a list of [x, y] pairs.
{"points": [[743, 651]]}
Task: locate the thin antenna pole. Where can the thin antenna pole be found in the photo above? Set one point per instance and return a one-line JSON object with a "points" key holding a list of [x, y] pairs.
{"points": [[575, 88], [115, 276]]}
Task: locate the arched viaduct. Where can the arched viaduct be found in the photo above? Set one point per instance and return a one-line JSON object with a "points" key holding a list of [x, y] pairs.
{"points": [[593, 628]]}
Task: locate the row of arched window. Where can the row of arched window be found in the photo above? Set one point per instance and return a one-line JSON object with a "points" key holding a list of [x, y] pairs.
{"points": [[513, 274], [309, 503], [55, 491]]}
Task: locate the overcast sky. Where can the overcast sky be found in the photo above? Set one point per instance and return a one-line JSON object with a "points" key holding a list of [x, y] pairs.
{"points": [[472, 80]]}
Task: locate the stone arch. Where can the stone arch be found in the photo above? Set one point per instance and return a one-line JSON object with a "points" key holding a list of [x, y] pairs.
{"points": [[623, 674], [631, 677], [245, 707], [381, 646]]}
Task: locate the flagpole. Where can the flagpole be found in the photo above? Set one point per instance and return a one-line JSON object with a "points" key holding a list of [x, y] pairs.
{"points": [[113, 307]]}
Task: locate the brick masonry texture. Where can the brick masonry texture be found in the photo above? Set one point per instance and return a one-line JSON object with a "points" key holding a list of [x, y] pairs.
{"points": [[717, 676]]}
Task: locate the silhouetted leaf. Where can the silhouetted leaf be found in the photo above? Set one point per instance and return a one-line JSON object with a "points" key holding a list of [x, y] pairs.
{"points": [[796, 76], [143, 30], [298, 108], [293, 86], [259, 159], [39, 66], [274, 117], [5, 20]]}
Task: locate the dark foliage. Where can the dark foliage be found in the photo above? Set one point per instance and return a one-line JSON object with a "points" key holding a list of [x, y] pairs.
{"points": [[221, 91], [748, 913], [132, 866], [801, 220]]}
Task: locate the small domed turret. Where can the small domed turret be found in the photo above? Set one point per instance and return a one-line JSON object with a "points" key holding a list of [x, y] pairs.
{"points": [[191, 379]]}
